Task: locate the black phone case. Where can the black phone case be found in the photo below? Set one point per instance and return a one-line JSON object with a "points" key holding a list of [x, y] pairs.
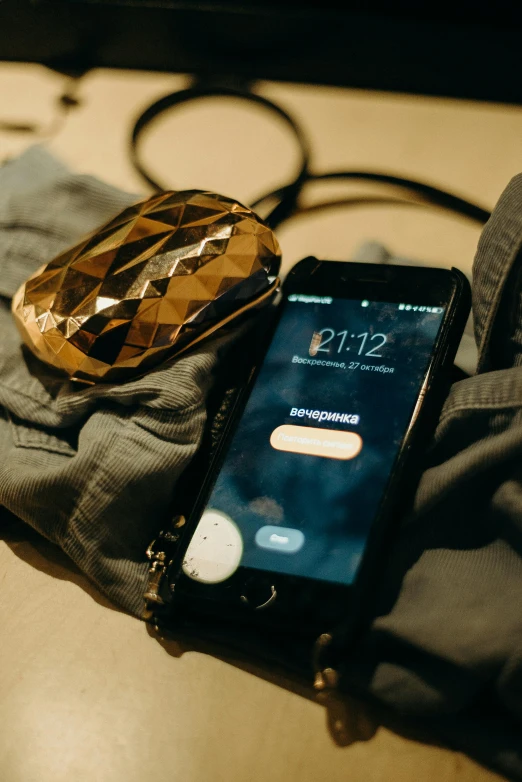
{"points": [[300, 651]]}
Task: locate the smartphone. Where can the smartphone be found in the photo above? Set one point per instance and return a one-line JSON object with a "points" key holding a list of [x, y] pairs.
{"points": [[324, 448]]}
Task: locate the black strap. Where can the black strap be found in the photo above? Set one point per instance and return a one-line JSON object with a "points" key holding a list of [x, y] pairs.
{"points": [[286, 197], [430, 195], [287, 194]]}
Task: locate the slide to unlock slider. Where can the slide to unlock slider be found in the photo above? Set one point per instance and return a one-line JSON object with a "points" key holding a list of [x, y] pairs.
{"points": [[329, 443]]}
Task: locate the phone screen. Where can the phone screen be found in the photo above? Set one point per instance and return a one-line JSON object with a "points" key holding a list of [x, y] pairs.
{"points": [[306, 468]]}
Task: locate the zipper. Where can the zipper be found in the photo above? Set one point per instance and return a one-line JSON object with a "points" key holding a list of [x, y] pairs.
{"points": [[156, 574], [160, 553], [325, 677], [326, 685]]}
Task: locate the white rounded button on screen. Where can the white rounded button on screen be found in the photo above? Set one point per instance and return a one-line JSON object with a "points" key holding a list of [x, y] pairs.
{"points": [[215, 550]]}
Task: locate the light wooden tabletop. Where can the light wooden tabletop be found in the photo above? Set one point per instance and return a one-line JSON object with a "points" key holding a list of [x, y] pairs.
{"points": [[85, 691]]}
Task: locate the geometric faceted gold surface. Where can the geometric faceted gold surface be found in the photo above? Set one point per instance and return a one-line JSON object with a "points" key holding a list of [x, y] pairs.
{"points": [[145, 285]]}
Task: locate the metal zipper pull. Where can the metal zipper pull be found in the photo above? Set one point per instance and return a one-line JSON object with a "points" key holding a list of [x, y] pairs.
{"points": [[328, 695], [159, 554], [156, 573], [326, 678]]}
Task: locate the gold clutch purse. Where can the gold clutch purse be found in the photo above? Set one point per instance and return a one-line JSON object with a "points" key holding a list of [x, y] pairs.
{"points": [[155, 280]]}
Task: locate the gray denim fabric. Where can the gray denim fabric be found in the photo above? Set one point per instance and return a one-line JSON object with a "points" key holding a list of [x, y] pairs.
{"points": [[93, 470], [447, 642]]}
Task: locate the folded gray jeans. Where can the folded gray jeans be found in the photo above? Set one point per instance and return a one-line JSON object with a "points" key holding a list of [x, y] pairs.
{"points": [[93, 470]]}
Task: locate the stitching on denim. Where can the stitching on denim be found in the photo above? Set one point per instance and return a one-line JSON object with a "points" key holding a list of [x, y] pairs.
{"points": [[480, 407]]}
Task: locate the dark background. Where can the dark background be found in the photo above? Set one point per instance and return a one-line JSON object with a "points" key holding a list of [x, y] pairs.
{"points": [[472, 50]]}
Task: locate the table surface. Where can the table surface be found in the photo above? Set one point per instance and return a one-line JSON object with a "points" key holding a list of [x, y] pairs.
{"points": [[85, 691]]}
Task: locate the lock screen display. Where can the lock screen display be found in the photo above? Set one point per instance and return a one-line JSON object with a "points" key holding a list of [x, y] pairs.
{"points": [[305, 471]]}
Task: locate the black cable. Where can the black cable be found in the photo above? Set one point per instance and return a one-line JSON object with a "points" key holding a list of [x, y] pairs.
{"points": [[431, 194], [357, 201], [288, 194]]}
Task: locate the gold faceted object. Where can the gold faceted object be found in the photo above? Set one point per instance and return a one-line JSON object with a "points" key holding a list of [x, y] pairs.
{"points": [[156, 279]]}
